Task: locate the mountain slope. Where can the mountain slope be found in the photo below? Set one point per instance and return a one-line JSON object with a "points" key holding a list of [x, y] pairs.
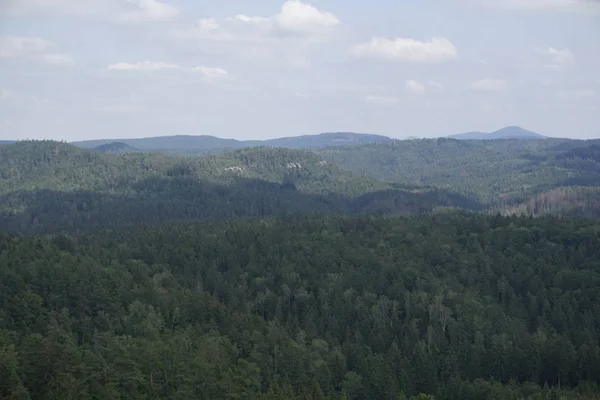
{"points": [[48, 186], [60, 166], [509, 132], [491, 171], [115, 147]]}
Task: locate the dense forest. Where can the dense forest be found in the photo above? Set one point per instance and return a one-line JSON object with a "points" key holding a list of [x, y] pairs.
{"points": [[272, 273], [36, 165], [494, 172], [51, 186], [455, 307], [60, 186]]}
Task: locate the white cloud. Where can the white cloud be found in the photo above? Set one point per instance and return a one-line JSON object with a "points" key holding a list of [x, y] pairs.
{"points": [[58, 59], [28, 47], [252, 20], [149, 11], [557, 58], [21, 99], [143, 66], [296, 16], [204, 29], [415, 87], [382, 100], [435, 86], [489, 85], [127, 11], [287, 37], [18, 8], [437, 49], [578, 6], [211, 74], [208, 24], [22, 46], [239, 30]]}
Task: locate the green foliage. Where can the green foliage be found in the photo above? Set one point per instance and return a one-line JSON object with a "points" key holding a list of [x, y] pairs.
{"points": [[297, 307], [28, 166], [495, 172], [50, 186]]}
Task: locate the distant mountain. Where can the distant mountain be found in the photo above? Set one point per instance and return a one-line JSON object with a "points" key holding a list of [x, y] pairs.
{"points": [[168, 143], [115, 147], [4, 142], [509, 132], [323, 140], [205, 144], [210, 144], [475, 135]]}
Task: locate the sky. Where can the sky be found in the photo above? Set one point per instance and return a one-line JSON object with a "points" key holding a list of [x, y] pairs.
{"points": [[75, 70]]}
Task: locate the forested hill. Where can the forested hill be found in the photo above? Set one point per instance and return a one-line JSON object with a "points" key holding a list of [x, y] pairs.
{"points": [[204, 144], [115, 147], [509, 132], [48, 186], [496, 172], [60, 166], [305, 308]]}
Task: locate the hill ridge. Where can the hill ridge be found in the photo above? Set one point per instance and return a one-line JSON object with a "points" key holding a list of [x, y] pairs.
{"points": [[202, 144], [508, 132], [186, 144]]}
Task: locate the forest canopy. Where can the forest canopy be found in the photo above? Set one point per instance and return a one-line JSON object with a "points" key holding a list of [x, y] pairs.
{"points": [[455, 307]]}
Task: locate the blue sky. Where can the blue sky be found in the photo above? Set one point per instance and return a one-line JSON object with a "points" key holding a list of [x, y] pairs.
{"points": [[73, 70]]}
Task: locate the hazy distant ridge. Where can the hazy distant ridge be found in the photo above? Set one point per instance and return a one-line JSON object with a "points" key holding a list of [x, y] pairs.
{"points": [[510, 132], [212, 144], [205, 142], [115, 147]]}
